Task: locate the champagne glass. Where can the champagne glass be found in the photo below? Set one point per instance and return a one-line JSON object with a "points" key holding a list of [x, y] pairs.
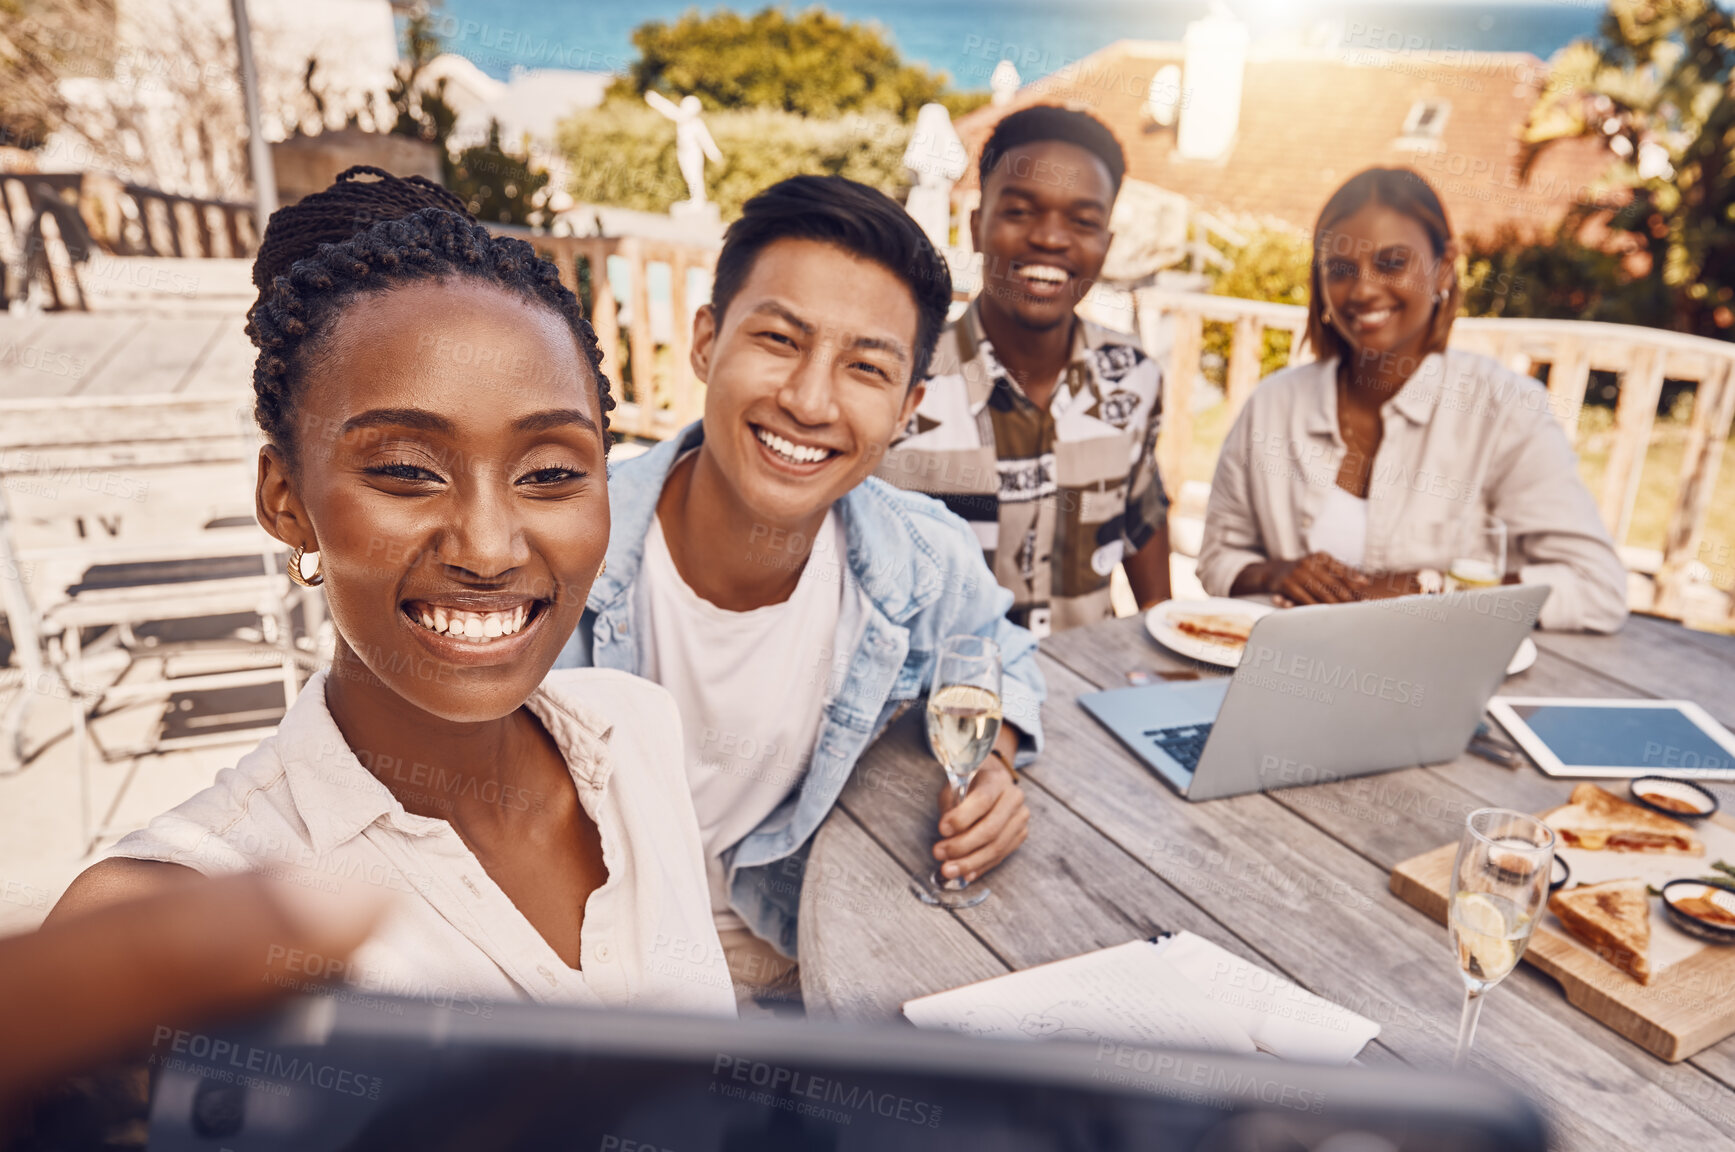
{"points": [[1499, 884], [963, 721], [1480, 561]]}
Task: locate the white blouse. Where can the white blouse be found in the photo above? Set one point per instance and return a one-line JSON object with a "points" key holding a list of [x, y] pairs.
{"points": [[302, 807], [1341, 527], [1463, 438]]}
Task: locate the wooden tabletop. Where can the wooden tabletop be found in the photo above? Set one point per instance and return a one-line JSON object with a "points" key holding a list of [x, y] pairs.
{"points": [[1295, 881]]}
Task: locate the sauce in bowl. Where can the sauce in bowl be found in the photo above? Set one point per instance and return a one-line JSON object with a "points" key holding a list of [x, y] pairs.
{"points": [[1679, 798]]}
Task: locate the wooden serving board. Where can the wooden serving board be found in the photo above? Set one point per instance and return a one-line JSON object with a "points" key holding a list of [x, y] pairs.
{"points": [[1687, 1007]]}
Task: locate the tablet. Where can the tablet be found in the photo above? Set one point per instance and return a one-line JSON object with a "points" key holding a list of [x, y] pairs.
{"points": [[1569, 737]]}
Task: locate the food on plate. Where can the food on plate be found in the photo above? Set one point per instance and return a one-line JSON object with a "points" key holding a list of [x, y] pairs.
{"points": [[1214, 627], [1614, 918], [1597, 819]]}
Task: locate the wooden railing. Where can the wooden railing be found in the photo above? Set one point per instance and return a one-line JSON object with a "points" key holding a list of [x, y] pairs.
{"points": [[132, 220], [655, 389], [158, 224], [657, 392], [1642, 358]]}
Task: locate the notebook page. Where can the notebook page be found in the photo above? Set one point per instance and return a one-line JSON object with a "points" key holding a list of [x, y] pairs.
{"points": [[1282, 1017], [1127, 993]]}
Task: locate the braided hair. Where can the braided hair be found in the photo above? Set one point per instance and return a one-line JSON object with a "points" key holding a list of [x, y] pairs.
{"points": [[367, 233]]}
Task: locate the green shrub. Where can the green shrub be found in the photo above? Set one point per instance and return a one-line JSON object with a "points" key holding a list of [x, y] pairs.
{"points": [[1273, 266], [499, 186], [623, 153], [813, 63], [1507, 274]]}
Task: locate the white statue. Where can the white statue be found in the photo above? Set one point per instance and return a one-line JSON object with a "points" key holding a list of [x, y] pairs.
{"points": [[693, 141], [938, 159]]}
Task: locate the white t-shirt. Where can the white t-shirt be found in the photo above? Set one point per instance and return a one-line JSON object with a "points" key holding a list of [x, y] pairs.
{"points": [[751, 687], [1340, 527]]}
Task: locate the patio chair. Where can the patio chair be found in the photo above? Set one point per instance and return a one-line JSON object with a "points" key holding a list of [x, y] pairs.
{"points": [[121, 513]]}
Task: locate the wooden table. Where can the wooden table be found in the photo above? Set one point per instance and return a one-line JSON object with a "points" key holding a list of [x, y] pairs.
{"points": [[1292, 880]]}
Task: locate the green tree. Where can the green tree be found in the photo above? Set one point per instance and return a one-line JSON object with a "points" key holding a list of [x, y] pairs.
{"points": [[624, 154], [423, 113], [813, 63], [498, 186], [1654, 90], [41, 43], [1561, 278]]}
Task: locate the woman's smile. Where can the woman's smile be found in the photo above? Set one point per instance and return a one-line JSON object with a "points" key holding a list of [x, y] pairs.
{"points": [[477, 627]]}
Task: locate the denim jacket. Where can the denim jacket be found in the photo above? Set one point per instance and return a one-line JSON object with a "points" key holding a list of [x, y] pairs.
{"points": [[913, 575]]}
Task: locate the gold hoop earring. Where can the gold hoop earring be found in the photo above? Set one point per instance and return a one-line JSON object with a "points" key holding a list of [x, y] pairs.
{"points": [[296, 574]]}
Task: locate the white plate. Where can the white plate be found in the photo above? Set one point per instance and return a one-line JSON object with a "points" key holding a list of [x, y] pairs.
{"points": [[1523, 658], [1158, 624]]}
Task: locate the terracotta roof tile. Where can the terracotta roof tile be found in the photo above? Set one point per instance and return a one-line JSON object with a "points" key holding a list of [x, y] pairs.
{"points": [[1310, 120]]}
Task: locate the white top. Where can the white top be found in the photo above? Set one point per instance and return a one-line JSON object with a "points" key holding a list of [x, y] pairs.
{"points": [[1463, 438], [1340, 527], [751, 686], [302, 807]]}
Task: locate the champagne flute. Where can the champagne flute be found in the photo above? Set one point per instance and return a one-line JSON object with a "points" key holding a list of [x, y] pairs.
{"points": [[1499, 884], [1480, 561], [963, 722]]}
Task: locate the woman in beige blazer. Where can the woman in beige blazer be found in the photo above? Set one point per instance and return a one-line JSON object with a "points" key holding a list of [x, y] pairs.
{"points": [[1364, 473]]}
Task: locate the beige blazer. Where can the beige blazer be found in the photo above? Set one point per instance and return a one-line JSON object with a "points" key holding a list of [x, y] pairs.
{"points": [[1463, 436]]}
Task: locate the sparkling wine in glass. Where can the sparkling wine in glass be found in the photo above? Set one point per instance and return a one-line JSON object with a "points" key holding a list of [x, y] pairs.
{"points": [[1480, 561], [1499, 886], [963, 722]]}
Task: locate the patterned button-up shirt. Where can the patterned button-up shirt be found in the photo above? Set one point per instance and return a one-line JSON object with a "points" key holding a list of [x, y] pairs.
{"points": [[1056, 496]]}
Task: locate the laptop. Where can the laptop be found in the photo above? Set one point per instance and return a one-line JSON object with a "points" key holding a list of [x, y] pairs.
{"points": [[356, 1073], [1328, 692]]}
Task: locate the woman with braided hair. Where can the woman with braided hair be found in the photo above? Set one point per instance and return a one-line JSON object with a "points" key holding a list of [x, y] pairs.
{"points": [[436, 419]]}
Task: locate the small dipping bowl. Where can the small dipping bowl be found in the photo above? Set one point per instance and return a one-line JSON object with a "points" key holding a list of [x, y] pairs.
{"points": [[1685, 900], [1680, 799], [1562, 873]]}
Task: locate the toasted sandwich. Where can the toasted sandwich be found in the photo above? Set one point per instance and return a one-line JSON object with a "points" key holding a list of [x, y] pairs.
{"points": [[1214, 628], [1614, 918], [1598, 819]]}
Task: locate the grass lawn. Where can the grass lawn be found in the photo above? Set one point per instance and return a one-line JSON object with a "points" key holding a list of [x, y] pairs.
{"points": [[1657, 487]]}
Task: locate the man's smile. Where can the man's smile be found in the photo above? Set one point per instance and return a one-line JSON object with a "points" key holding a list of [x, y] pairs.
{"points": [[790, 451], [1043, 281]]}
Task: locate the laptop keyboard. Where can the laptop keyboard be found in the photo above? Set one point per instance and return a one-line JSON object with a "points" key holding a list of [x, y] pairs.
{"points": [[1184, 745]]}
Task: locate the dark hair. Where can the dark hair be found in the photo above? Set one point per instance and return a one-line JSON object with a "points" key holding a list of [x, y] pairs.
{"points": [[858, 219], [1047, 122], [367, 233], [1402, 190]]}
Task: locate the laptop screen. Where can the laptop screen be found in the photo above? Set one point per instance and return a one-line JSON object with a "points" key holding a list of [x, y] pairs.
{"points": [[408, 1075]]}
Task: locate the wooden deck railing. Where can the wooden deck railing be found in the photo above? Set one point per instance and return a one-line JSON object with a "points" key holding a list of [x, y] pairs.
{"points": [[132, 220], [655, 389], [1642, 358], [657, 392], [157, 224]]}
